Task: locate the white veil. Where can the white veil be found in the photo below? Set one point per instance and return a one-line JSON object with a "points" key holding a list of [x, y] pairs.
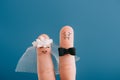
{"points": [[28, 61]]}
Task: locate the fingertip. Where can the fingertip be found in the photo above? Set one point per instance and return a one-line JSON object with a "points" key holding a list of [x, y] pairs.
{"points": [[66, 37], [66, 28], [43, 35]]}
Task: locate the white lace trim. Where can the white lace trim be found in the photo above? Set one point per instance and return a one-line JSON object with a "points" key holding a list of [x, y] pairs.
{"points": [[42, 42]]}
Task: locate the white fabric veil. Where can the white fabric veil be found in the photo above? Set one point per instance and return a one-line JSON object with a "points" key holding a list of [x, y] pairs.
{"points": [[28, 61]]}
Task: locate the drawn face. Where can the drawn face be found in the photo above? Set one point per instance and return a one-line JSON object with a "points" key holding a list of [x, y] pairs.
{"points": [[67, 35], [45, 50]]}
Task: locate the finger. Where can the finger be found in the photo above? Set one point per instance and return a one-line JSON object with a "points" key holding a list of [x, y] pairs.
{"points": [[67, 62], [45, 67]]}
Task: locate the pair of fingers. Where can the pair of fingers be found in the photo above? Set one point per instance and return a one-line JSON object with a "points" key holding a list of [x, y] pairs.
{"points": [[67, 68]]}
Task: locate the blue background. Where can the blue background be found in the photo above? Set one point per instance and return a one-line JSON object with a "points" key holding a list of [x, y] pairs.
{"points": [[97, 34]]}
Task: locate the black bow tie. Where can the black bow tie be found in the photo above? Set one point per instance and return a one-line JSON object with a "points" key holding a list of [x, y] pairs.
{"points": [[63, 51]]}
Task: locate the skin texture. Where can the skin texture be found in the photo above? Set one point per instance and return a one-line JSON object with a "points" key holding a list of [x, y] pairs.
{"points": [[67, 65], [45, 67]]}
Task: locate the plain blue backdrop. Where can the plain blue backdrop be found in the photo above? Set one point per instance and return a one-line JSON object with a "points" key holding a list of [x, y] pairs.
{"points": [[97, 34]]}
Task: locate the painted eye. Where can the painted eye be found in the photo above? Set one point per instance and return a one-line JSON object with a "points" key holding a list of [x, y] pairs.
{"points": [[64, 33], [69, 33], [40, 47], [48, 47]]}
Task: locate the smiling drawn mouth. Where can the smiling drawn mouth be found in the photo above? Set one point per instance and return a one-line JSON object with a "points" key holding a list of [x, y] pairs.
{"points": [[44, 52]]}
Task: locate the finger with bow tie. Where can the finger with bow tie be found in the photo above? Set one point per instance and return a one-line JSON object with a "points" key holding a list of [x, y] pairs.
{"points": [[67, 65]]}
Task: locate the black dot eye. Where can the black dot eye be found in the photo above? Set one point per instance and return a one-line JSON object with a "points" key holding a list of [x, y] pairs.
{"points": [[64, 33], [48, 47], [40, 47], [69, 33]]}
